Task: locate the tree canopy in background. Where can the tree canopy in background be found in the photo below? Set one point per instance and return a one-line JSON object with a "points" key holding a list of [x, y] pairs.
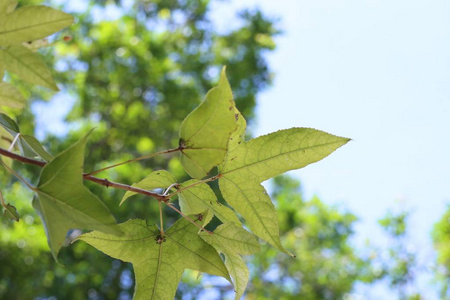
{"points": [[441, 239], [135, 69]]}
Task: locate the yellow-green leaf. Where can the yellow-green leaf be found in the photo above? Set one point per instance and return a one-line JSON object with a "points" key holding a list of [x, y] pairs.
{"points": [[205, 132], [28, 65], [159, 262], [10, 96], [238, 272], [156, 180], [231, 241], [30, 23], [230, 238], [247, 164], [2, 68], [197, 197], [7, 7], [64, 203]]}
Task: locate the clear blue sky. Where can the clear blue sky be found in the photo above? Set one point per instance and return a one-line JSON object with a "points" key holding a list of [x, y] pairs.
{"points": [[377, 71]]}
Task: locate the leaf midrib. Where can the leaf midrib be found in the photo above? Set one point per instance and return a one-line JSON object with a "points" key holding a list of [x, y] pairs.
{"points": [[55, 174], [158, 270], [254, 210], [27, 67], [232, 239], [192, 252], [273, 157], [31, 26], [209, 119]]}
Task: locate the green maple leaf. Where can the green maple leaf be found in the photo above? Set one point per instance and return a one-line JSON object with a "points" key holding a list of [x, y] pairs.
{"points": [[205, 132], [248, 163], [232, 241], [158, 266], [64, 203], [195, 198]]}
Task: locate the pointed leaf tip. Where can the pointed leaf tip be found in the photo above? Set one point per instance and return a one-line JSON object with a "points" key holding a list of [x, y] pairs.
{"points": [[205, 132], [64, 203], [247, 164]]}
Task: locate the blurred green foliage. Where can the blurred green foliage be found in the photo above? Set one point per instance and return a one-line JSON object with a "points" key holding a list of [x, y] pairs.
{"points": [[441, 239], [400, 265], [327, 265]]}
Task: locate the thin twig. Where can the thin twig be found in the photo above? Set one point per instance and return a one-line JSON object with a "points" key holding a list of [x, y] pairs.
{"points": [[18, 176], [22, 159], [135, 159], [2, 200], [104, 182], [187, 218], [194, 184], [107, 183], [170, 186]]}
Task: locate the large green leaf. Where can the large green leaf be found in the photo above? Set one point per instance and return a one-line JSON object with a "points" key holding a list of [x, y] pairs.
{"points": [[231, 241], [28, 65], [156, 180], [10, 96], [197, 197], [158, 266], [31, 23], [64, 203], [205, 132], [247, 164]]}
